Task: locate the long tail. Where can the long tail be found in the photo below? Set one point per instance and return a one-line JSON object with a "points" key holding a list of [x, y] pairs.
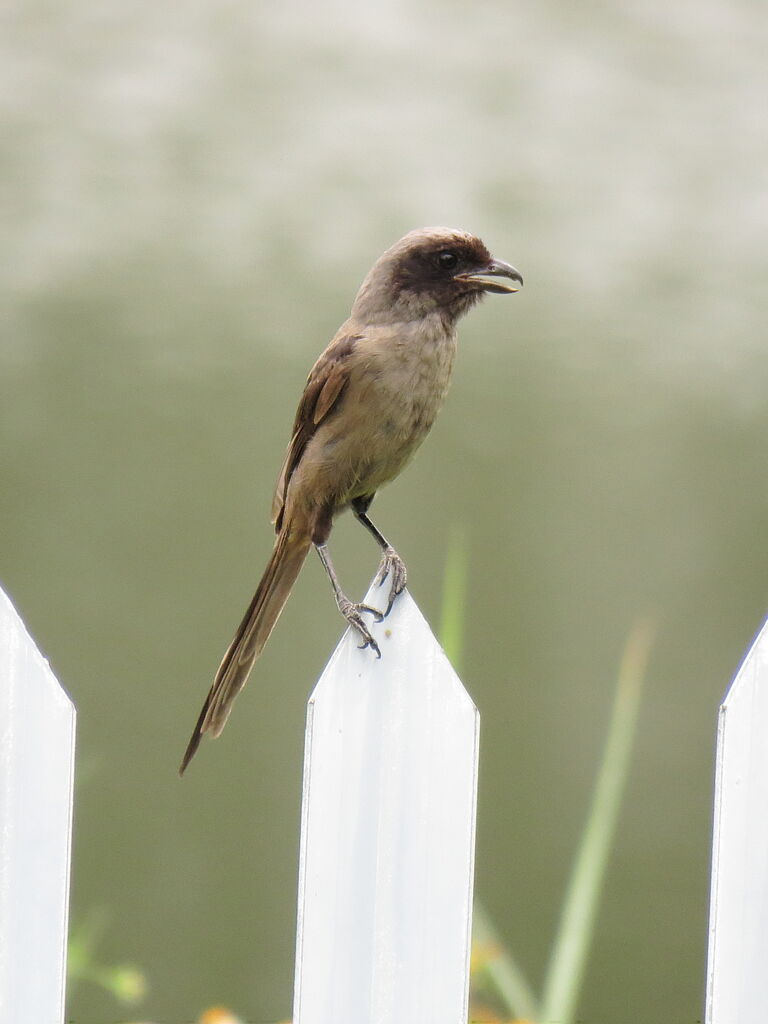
{"points": [[252, 634]]}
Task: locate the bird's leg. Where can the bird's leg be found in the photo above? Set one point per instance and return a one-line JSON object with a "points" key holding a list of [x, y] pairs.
{"points": [[350, 610], [391, 563]]}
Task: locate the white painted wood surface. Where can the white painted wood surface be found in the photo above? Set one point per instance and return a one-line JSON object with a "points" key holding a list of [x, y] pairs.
{"points": [[737, 968], [388, 829], [37, 732]]}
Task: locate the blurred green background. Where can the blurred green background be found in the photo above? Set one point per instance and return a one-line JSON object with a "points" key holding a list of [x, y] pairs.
{"points": [[193, 194]]}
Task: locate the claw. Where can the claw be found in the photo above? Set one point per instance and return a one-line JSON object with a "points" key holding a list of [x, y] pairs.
{"points": [[392, 563], [377, 615], [351, 613], [372, 644]]}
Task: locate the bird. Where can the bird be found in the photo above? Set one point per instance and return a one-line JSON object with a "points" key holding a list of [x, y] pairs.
{"points": [[368, 403]]}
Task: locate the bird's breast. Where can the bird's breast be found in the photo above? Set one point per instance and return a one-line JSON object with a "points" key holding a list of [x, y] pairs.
{"points": [[397, 383], [406, 377], [403, 380]]}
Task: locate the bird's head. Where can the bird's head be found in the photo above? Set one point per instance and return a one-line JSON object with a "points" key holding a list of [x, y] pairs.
{"points": [[432, 270]]}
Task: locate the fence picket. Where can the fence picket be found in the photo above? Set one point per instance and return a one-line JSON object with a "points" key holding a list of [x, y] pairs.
{"points": [[388, 822], [37, 732], [738, 924]]}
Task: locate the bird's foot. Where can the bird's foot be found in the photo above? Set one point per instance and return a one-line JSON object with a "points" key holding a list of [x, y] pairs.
{"points": [[352, 612], [392, 565]]}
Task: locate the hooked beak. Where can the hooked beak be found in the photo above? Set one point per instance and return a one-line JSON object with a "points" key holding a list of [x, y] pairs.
{"points": [[494, 269]]}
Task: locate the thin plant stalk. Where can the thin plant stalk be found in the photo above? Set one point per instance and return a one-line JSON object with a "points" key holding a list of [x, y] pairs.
{"points": [[452, 619], [567, 963], [569, 953], [505, 975], [499, 966]]}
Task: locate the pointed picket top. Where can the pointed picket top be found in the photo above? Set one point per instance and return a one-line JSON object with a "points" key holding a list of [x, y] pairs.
{"points": [[37, 726], [388, 822], [738, 925]]}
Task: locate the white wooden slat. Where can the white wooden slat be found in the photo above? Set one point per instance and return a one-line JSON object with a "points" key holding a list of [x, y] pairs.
{"points": [[388, 824], [37, 730], [737, 992]]}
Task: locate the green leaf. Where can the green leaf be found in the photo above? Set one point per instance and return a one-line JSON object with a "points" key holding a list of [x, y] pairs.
{"points": [[501, 969], [568, 959], [453, 617]]}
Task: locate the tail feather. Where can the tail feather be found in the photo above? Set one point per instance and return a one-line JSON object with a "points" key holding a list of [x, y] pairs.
{"points": [[252, 634]]}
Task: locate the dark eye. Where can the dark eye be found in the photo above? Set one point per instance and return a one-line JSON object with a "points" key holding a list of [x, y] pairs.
{"points": [[447, 260]]}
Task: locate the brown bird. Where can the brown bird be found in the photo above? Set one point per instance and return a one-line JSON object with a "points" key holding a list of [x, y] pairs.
{"points": [[369, 402]]}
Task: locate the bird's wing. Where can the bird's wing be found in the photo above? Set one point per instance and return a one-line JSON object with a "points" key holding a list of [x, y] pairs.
{"points": [[322, 393]]}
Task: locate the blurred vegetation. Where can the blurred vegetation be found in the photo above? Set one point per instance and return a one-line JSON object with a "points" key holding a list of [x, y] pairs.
{"points": [[126, 983], [498, 981]]}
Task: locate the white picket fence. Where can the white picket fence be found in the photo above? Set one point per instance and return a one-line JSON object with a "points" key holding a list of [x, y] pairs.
{"points": [[387, 837]]}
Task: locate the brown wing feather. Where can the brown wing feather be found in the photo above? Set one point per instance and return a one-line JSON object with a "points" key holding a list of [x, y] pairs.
{"points": [[325, 385]]}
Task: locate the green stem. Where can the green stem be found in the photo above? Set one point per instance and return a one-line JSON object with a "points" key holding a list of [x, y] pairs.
{"points": [[568, 959]]}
